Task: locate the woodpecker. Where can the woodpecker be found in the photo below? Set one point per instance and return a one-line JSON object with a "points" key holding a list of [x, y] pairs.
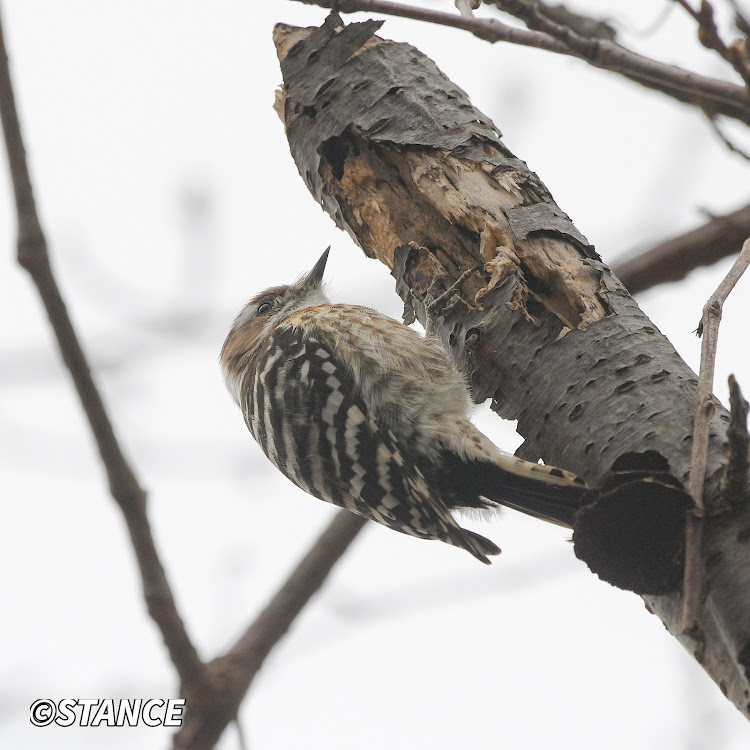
{"points": [[360, 410]]}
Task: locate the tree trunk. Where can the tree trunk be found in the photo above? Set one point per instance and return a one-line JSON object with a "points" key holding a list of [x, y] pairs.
{"points": [[485, 259]]}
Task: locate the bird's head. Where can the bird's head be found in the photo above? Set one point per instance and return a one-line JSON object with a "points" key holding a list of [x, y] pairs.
{"points": [[260, 316]]}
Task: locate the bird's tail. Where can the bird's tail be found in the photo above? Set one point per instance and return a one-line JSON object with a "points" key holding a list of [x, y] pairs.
{"points": [[478, 545], [544, 492]]}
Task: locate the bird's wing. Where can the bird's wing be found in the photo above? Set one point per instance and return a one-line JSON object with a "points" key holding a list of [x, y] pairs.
{"points": [[331, 444], [405, 377]]}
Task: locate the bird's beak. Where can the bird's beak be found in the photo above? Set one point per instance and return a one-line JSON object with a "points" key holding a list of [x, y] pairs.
{"points": [[315, 277]]}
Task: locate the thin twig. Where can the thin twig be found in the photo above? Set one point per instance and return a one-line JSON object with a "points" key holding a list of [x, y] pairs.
{"points": [[741, 21], [724, 139], [652, 27], [688, 87], [34, 257], [467, 7], [674, 259], [241, 739], [435, 305], [233, 672], [708, 35], [689, 8], [709, 329]]}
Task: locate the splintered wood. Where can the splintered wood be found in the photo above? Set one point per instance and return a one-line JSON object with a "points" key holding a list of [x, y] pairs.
{"points": [[392, 195]]}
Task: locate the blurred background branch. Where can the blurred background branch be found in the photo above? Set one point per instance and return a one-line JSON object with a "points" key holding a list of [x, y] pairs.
{"points": [[124, 486], [675, 258], [214, 691], [711, 94], [232, 673]]}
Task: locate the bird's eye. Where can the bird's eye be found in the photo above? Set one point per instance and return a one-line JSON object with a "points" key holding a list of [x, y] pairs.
{"points": [[265, 307]]}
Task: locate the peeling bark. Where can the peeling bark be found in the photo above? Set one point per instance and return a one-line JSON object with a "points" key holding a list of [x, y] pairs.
{"points": [[486, 260]]}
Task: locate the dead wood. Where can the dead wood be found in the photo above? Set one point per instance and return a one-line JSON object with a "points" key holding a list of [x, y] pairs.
{"points": [[402, 161]]}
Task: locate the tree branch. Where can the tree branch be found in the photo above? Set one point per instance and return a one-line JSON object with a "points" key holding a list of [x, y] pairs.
{"points": [[537, 16], [712, 95], [704, 410], [214, 691], [714, 122], [735, 54], [424, 183], [674, 259], [529, 10], [232, 673], [555, 20], [34, 257], [741, 21], [488, 29]]}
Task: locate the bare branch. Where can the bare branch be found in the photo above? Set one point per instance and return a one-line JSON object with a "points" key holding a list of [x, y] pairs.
{"points": [[710, 94], [33, 256], [553, 19], [583, 25], [709, 329], [741, 21], [691, 11], [712, 309], [736, 54], [274, 621], [488, 29], [215, 690], [232, 673], [537, 16], [674, 259], [724, 139]]}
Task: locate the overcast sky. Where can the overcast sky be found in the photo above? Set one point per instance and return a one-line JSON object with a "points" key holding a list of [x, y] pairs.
{"points": [[169, 197]]}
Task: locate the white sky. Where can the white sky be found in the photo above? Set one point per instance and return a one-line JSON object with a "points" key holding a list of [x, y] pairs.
{"points": [[169, 197]]}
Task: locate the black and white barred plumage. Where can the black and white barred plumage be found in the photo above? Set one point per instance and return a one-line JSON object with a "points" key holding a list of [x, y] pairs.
{"points": [[363, 412]]}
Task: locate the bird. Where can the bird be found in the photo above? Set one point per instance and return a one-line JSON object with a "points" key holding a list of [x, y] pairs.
{"points": [[364, 412]]}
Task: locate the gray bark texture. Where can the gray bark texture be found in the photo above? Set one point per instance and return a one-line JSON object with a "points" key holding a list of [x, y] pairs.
{"points": [[486, 260]]}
